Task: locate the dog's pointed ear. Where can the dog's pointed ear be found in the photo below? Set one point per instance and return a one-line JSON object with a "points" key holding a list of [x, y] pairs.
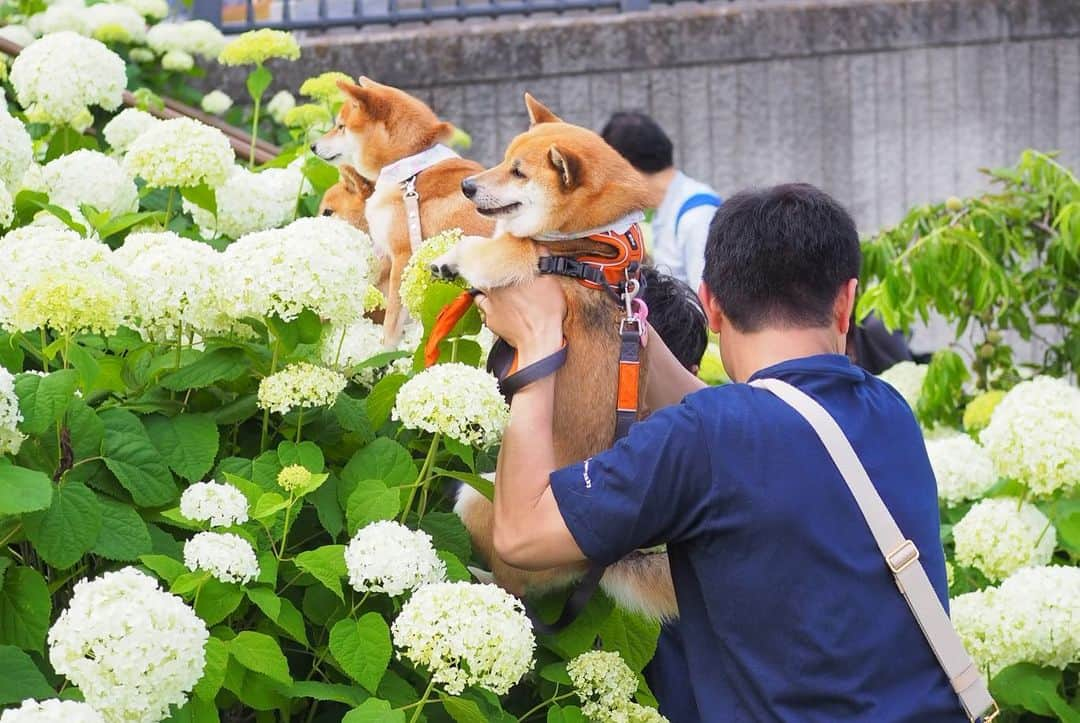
{"points": [[444, 132], [538, 112], [365, 82], [364, 96], [568, 165], [352, 90]]}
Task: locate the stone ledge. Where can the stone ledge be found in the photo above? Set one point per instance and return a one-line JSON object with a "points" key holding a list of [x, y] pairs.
{"points": [[683, 34]]}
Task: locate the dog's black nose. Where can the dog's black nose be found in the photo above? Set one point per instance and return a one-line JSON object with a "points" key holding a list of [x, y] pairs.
{"points": [[468, 187], [313, 149]]}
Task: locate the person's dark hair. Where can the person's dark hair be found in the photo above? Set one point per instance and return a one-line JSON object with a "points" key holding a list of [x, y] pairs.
{"points": [[639, 139], [778, 256], [676, 314]]}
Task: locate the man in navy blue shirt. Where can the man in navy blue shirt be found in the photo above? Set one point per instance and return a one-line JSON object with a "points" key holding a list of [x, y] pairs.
{"points": [[788, 610]]}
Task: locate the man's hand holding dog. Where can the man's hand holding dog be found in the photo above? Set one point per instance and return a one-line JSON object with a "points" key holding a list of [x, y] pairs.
{"points": [[528, 316]]}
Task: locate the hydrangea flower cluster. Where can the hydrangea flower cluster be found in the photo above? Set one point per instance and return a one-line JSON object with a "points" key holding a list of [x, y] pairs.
{"points": [[466, 634], [178, 61], [114, 23], [58, 77], [249, 202], [56, 279], [416, 277], [1032, 435], [10, 416], [322, 264], [978, 411], [346, 348], [216, 102], [312, 117], [195, 37], [293, 477], [963, 469], [1033, 617], [391, 558], [257, 46], [153, 9], [219, 504], [323, 87], [300, 386], [91, 178], [170, 281], [126, 126], [131, 648], [604, 682], [7, 207], [180, 152], [457, 400], [280, 104], [60, 17], [907, 378], [998, 537], [51, 711], [16, 151], [225, 555]]}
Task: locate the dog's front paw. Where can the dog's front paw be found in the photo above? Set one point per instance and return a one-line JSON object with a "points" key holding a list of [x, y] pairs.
{"points": [[445, 267]]}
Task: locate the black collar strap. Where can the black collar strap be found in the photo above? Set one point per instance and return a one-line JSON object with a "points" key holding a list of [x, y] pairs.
{"points": [[574, 269], [501, 360]]}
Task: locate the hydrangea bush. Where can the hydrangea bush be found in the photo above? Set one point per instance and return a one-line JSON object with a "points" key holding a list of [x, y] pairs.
{"points": [[221, 498]]}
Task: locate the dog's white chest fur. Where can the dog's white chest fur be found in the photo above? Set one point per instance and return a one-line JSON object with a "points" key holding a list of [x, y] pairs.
{"points": [[380, 212]]}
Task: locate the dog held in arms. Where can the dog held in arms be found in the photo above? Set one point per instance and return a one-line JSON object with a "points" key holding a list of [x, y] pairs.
{"points": [[394, 141], [558, 179]]}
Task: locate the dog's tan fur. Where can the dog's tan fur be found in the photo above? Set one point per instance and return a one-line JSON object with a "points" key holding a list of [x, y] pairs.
{"points": [[347, 199], [564, 178], [378, 125]]}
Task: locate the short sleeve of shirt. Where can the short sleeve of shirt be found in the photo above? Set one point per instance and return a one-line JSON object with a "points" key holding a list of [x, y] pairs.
{"points": [[652, 487]]}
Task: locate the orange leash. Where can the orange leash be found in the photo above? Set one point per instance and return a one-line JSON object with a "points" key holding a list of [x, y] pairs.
{"points": [[445, 322]]}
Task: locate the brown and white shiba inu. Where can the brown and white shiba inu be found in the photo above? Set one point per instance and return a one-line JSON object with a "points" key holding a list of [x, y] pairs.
{"points": [[557, 184], [391, 138], [347, 199]]}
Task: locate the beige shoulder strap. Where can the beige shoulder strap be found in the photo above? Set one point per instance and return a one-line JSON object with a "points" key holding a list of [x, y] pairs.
{"points": [[900, 553]]}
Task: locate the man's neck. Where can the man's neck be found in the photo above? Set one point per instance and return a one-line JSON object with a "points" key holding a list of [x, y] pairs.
{"points": [[658, 184], [759, 350]]}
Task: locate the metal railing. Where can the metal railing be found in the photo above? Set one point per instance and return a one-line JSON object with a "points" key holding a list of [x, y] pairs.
{"points": [[239, 15]]}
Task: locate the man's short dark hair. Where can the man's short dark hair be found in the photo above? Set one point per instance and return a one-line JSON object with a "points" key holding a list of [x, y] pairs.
{"points": [[778, 257], [639, 139], [676, 314]]}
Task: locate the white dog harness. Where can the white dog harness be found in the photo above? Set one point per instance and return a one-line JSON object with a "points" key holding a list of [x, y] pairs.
{"points": [[404, 173]]}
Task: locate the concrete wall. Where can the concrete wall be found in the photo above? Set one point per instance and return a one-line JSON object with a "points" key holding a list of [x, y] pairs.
{"points": [[884, 103]]}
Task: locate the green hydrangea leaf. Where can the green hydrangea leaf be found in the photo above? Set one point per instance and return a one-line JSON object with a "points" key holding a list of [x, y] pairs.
{"points": [[43, 400], [20, 678], [374, 710], [261, 654], [187, 442], [362, 648], [132, 457], [124, 534], [327, 565], [23, 490], [25, 607], [70, 527], [371, 501]]}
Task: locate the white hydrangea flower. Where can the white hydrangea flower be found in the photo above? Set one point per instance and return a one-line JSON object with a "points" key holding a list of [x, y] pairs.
{"points": [[197, 37], [63, 74], [128, 125], [907, 378], [219, 504], [322, 264], [16, 151], [153, 9], [226, 556], [180, 152], [389, 557], [416, 278], [60, 17], [115, 22], [282, 102], [52, 710], [344, 348], [178, 60], [54, 278], [1032, 435], [10, 416], [141, 55], [132, 649], [1033, 617], [249, 202], [18, 34], [92, 178], [466, 634], [33, 179], [216, 102], [300, 386], [457, 400], [171, 281], [998, 537], [604, 682], [963, 469]]}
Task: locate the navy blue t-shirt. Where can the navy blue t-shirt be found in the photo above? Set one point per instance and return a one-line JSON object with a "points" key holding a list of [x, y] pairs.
{"points": [[787, 609]]}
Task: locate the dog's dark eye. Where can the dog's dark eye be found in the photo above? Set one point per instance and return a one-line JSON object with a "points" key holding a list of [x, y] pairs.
{"points": [[328, 212], [516, 172]]}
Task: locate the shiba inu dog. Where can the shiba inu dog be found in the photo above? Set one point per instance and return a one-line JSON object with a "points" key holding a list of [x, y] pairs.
{"points": [[347, 199], [557, 185], [394, 141]]}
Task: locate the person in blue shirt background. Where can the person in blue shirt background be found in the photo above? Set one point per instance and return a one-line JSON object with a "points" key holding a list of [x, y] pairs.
{"points": [[791, 613]]}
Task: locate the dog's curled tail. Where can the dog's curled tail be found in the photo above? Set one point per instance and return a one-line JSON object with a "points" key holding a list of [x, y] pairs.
{"points": [[641, 582]]}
